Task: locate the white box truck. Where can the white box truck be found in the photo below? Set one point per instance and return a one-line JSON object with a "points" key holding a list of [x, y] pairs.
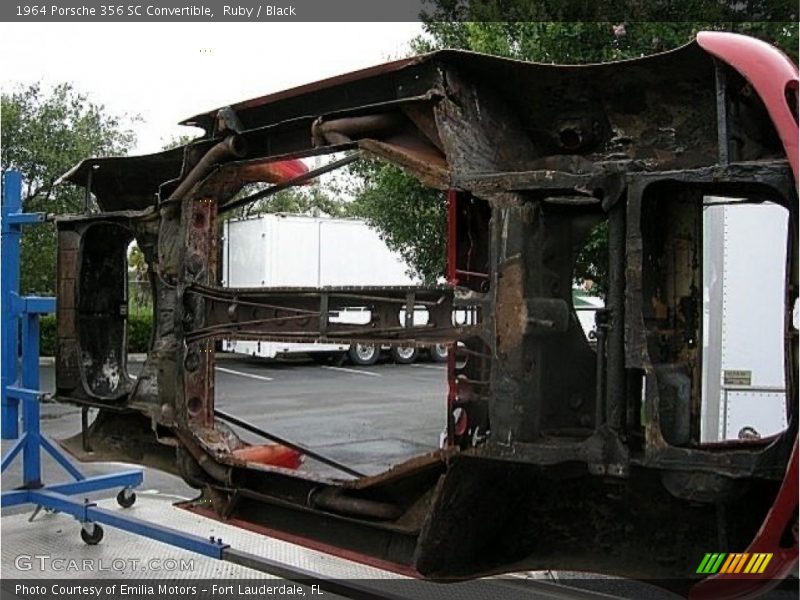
{"points": [[281, 250], [744, 283]]}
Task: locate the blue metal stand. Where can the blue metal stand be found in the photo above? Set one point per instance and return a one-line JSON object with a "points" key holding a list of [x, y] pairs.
{"points": [[20, 386]]}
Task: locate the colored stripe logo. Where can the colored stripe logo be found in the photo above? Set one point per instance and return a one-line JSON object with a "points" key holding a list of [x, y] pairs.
{"points": [[730, 564]]}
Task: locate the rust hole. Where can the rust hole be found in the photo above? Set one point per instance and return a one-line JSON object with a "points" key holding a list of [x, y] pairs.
{"points": [[570, 139], [194, 406], [192, 361]]}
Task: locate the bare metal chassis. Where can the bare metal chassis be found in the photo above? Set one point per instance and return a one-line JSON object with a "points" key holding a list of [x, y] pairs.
{"points": [[574, 457]]}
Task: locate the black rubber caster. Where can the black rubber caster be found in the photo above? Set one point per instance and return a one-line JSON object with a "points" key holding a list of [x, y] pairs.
{"points": [[126, 498], [94, 537]]}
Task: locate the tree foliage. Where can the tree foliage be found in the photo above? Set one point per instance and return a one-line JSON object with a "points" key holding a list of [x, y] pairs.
{"points": [[585, 42], [44, 134], [614, 11], [410, 217], [178, 140], [526, 30], [308, 200], [139, 289]]}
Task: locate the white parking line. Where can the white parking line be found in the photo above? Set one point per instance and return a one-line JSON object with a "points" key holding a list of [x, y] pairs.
{"points": [[356, 371], [441, 368], [243, 374]]}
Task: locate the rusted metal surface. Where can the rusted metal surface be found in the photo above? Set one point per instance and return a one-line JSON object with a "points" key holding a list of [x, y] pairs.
{"points": [[297, 314], [231, 147], [561, 454]]}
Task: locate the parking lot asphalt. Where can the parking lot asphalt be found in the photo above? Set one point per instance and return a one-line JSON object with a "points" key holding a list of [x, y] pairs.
{"points": [[368, 418]]}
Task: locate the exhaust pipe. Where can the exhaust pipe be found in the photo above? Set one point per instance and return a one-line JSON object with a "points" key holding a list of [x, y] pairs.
{"points": [[232, 146]]}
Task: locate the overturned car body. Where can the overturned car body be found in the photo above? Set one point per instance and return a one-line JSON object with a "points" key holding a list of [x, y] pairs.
{"points": [[561, 454]]}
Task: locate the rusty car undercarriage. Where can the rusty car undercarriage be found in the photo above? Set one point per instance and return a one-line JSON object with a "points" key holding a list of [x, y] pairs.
{"points": [[574, 456]]}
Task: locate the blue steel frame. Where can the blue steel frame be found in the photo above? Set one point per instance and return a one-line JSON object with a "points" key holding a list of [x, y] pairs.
{"points": [[19, 386]]}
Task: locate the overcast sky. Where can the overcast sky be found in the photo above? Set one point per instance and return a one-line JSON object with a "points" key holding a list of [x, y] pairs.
{"points": [[167, 72]]}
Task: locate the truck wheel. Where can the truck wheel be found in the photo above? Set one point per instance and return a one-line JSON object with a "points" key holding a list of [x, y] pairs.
{"points": [[404, 355], [364, 354], [439, 353]]}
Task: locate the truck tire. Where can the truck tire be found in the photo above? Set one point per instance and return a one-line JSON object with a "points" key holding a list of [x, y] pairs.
{"points": [[439, 353], [404, 355], [364, 354]]}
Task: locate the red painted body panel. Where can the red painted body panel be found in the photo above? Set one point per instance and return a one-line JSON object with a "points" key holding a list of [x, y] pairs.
{"points": [[270, 454], [784, 561], [452, 279], [771, 74]]}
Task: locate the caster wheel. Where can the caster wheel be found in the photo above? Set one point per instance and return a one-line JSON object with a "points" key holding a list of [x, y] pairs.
{"points": [[94, 537], [126, 498]]}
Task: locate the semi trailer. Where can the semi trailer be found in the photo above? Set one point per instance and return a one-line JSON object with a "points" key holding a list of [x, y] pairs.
{"points": [[282, 250]]}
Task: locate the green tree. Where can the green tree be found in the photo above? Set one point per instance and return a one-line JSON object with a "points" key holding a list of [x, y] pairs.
{"points": [[44, 134], [388, 198], [310, 200], [584, 42], [410, 217], [179, 140], [319, 197], [139, 291]]}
